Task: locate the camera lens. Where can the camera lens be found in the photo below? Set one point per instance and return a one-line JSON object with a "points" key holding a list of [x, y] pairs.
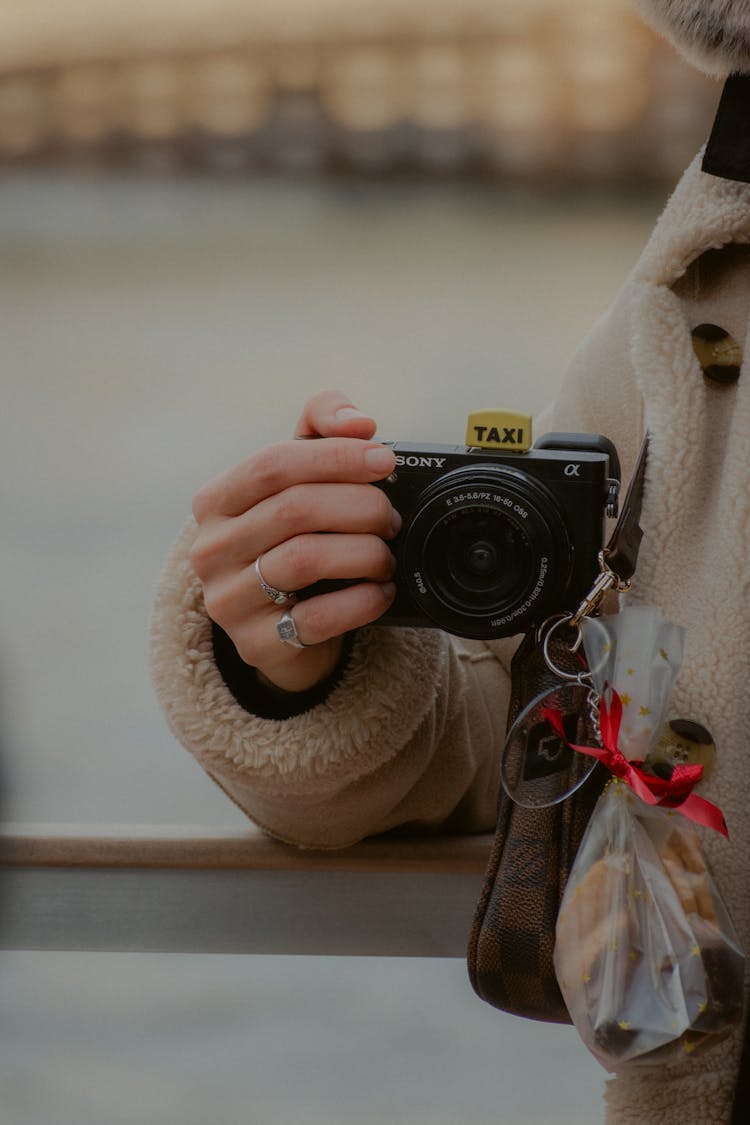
{"points": [[482, 558], [477, 558], [485, 551]]}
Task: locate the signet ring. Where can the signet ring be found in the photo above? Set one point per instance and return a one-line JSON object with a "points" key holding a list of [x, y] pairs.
{"points": [[287, 630]]}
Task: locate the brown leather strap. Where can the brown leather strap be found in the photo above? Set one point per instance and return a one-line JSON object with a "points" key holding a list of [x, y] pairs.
{"points": [[621, 553]]}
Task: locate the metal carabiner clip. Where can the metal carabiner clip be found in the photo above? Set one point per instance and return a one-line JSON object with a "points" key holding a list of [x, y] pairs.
{"points": [[606, 581]]}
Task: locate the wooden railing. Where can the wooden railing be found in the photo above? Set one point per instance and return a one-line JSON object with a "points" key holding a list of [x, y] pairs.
{"points": [[112, 888]]}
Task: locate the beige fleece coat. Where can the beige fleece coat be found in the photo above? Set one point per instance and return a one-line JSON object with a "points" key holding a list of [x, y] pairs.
{"points": [[413, 733]]}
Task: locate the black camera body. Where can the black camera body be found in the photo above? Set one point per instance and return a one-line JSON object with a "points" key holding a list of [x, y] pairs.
{"points": [[493, 543]]}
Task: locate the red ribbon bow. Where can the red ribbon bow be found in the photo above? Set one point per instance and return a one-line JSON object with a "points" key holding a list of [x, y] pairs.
{"points": [[676, 793]]}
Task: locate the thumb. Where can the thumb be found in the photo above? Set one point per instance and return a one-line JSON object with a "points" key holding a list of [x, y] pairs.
{"points": [[333, 414]]}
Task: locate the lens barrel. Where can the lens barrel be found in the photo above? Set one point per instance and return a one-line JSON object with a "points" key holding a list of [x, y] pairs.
{"points": [[486, 551]]}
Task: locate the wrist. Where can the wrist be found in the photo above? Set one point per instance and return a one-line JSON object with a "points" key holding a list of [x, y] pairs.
{"points": [[306, 670], [261, 696]]}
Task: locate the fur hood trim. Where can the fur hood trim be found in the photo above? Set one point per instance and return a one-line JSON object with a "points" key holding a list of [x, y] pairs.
{"points": [[713, 35], [704, 213]]}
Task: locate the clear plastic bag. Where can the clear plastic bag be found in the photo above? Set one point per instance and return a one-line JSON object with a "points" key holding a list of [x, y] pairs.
{"points": [[646, 955], [639, 656]]}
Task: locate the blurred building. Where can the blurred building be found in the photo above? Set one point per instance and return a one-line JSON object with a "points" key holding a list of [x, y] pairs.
{"points": [[548, 90]]}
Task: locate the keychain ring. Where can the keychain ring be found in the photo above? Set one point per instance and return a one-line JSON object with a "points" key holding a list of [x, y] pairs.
{"points": [[562, 621]]}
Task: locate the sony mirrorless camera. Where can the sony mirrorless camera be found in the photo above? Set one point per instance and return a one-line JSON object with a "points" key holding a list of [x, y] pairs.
{"points": [[495, 541], [492, 542]]}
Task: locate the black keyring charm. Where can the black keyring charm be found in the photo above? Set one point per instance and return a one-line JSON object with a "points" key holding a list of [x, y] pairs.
{"points": [[538, 768]]}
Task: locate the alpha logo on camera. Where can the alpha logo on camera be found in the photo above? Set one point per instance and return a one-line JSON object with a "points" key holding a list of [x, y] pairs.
{"points": [[499, 429]]}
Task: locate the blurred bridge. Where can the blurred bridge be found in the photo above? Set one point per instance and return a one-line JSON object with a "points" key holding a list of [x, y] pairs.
{"points": [[543, 90]]}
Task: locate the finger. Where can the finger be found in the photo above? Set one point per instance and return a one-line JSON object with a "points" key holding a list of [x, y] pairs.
{"points": [[343, 509], [332, 414], [278, 467], [295, 565], [316, 621], [306, 559], [230, 544], [292, 567], [332, 615]]}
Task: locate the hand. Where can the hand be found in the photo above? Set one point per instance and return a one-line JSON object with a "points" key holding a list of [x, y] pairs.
{"points": [[307, 509]]}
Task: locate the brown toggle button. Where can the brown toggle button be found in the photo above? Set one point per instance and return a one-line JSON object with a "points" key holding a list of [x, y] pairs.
{"points": [[682, 742], [719, 354]]}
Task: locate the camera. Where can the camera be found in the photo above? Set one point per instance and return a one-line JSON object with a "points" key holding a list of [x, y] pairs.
{"points": [[493, 543], [497, 535]]}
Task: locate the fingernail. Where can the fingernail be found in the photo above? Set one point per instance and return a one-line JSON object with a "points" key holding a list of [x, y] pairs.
{"points": [[347, 412], [389, 590], [396, 522], [380, 460]]}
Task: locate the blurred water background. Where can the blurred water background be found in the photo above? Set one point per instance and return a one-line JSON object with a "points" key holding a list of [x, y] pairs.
{"points": [[154, 333], [161, 316]]}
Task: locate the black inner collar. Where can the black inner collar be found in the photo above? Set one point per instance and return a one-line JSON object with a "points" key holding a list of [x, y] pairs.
{"points": [[728, 149]]}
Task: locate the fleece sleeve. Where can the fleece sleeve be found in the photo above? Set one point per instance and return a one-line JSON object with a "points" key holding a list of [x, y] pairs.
{"points": [[410, 736]]}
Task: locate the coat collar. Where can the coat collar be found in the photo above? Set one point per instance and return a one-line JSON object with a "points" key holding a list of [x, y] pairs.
{"points": [[704, 213]]}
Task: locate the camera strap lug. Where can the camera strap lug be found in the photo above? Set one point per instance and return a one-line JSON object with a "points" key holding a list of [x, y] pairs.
{"points": [[613, 497]]}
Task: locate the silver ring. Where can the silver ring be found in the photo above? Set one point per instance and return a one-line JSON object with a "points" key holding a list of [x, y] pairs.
{"points": [[287, 630], [278, 597], [562, 622]]}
